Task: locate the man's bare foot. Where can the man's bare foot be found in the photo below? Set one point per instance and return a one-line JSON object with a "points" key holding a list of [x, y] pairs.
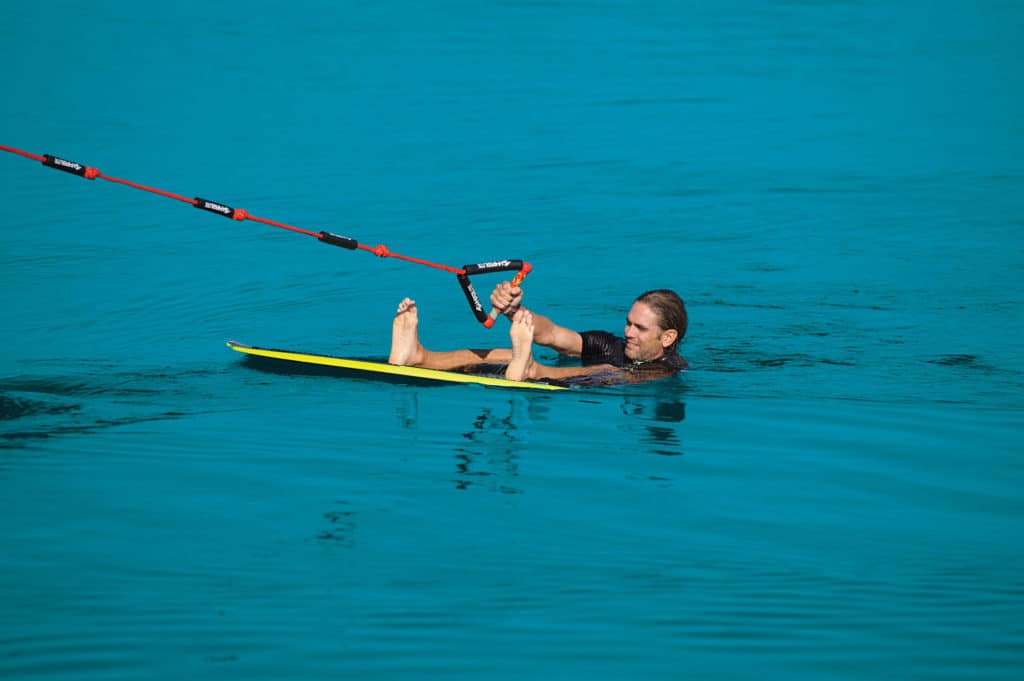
{"points": [[521, 333], [405, 341]]}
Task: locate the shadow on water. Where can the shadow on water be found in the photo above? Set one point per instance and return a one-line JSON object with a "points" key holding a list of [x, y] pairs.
{"points": [[488, 447], [745, 357], [341, 525], [654, 411], [488, 452], [661, 435], [491, 449], [12, 408], [35, 409]]}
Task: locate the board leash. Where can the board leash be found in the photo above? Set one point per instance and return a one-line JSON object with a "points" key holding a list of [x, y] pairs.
{"points": [[463, 273]]}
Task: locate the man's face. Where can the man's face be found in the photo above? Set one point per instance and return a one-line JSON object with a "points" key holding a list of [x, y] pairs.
{"points": [[645, 339]]}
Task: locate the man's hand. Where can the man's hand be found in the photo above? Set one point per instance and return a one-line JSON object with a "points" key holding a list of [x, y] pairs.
{"points": [[507, 298]]}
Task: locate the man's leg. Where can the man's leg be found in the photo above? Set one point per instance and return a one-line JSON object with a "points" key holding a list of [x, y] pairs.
{"points": [[406, 349], [521, 366]]}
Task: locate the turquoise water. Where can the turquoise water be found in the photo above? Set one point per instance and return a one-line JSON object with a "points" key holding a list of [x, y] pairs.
{"points": [[833, 490]]}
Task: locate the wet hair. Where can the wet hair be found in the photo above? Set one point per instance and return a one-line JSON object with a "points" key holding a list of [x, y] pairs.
{"points": [[670, 310]]}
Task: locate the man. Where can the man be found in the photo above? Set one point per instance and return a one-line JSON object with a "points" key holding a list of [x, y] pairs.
{"points": [[648, 350]]}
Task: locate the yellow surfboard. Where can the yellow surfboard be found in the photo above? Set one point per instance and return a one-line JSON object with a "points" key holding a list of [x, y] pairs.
{"points": [[372, 369]]}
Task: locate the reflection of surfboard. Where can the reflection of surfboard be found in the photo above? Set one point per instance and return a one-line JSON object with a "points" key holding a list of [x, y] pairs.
{"points": [[298, 360]]}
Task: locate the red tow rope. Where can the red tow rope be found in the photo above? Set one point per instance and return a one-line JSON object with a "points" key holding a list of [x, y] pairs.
{"points": [[380, 250]]}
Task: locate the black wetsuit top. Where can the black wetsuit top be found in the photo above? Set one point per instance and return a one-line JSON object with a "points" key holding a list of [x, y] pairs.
{"points": [[601, 347]]}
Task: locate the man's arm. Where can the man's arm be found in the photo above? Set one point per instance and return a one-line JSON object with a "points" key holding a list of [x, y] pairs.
{"points": [[508, 299]]}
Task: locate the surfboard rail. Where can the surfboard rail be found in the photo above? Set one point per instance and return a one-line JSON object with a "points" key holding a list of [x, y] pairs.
{"points": [[371, 368]]}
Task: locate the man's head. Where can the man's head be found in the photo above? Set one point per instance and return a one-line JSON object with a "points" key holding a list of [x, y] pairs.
{"points": [[655, 325]]}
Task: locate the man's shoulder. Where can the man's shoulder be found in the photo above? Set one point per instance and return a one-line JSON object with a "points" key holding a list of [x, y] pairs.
{"points": [[602, 347], [599, 337], [676, 361]]}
